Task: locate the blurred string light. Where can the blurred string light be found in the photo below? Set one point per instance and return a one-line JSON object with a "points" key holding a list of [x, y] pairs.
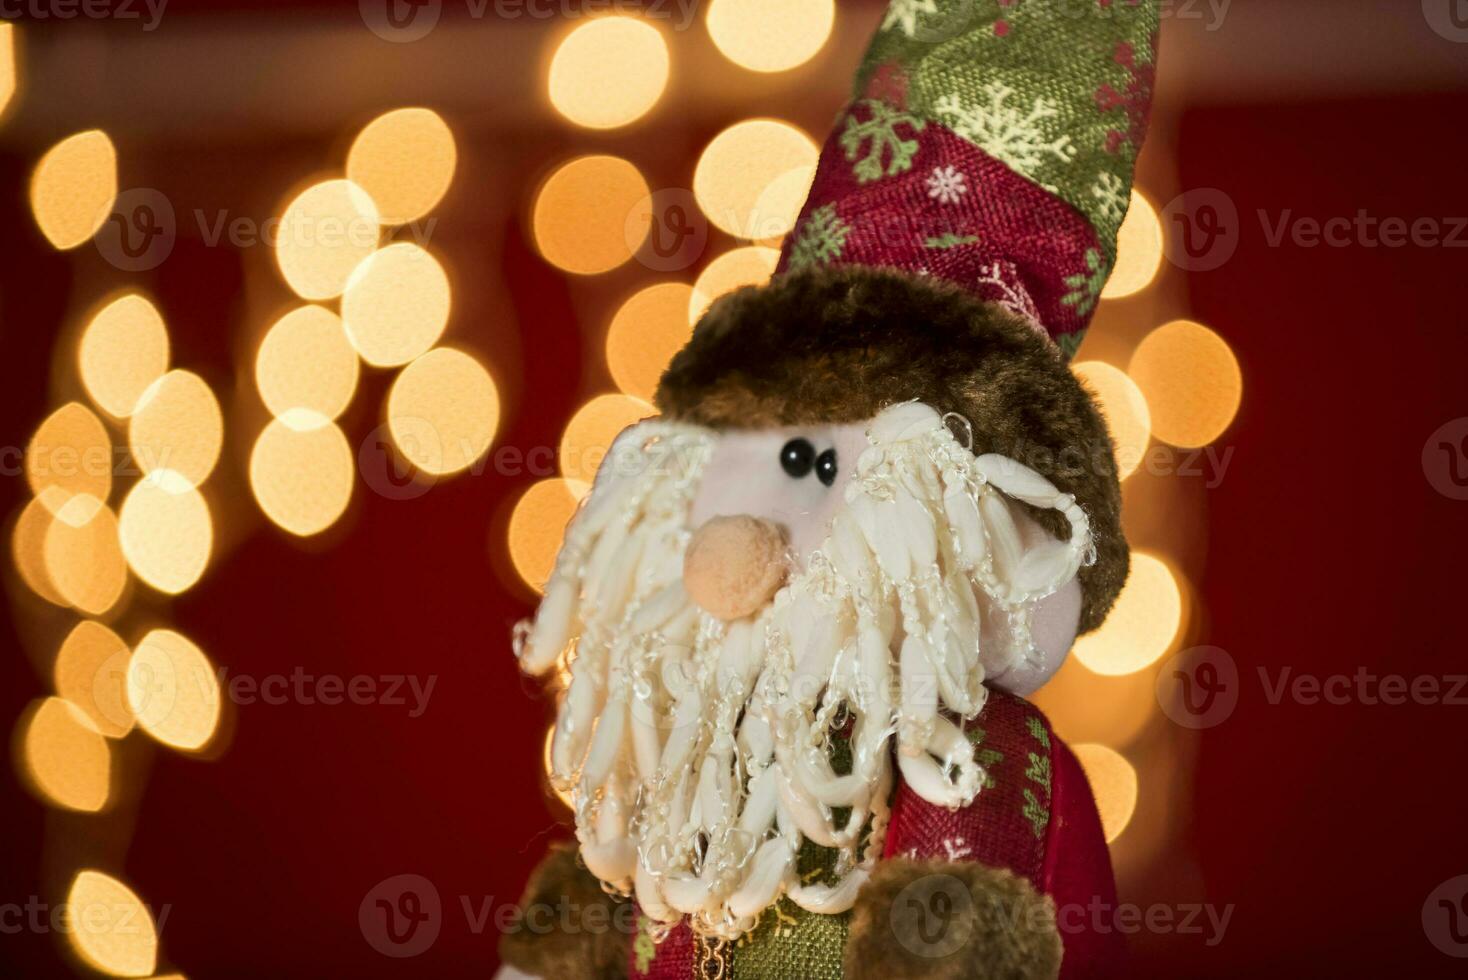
{"points": [[1124, 409], [1087, 706], [1114, 782], [66, 757], [301, 472], [123, 350], [7, 64], [28, 547], [583, 211], [172, 690], [91, 672], [83, 557], [1191, 380], [177, 426], [752, 179], [73, 188], [537, 525], [396, 304], [69, 454], [1141, 626], [589, 435], [750, 265], [114, 931], [306, 361], [166, 531], [404, 160], [770, 35], [645, 333], [324, 234], [443, 410], [1138, 250], [608, 72]]}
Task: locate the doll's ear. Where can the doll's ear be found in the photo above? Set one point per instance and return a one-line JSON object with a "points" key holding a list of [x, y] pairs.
{"points": [[1054, 623], [949, 920]]}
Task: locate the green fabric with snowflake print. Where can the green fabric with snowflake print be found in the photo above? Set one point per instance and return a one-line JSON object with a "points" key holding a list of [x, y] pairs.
{"points": [[1058, 90]]}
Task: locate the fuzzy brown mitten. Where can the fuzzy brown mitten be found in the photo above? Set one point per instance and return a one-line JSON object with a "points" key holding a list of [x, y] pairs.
{"points": [[944, 920], [568, 927]]}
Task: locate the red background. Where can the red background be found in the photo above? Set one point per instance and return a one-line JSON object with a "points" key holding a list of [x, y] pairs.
{"points": [[1327, 550]]}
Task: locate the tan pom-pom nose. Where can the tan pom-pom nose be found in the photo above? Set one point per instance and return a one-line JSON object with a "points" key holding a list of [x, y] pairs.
{"points": [[734, 565]]}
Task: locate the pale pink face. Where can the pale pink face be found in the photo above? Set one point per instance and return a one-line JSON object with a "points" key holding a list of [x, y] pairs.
{"points": [[747, 476]]}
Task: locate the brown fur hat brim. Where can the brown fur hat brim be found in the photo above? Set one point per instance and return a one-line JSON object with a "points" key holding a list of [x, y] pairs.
{"points": [[944, 920], [833, 345], [567, 926]]}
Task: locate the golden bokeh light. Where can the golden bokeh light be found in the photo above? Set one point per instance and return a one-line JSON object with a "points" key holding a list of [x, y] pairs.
{"points": [[443, 410], [751, 265], [1114, 782], [28, 546], [1085, 706], [590, 433], [396, 305], [1141, 626], [1124, 408], [173, 691], [123, 350], [84, 560], [648, 329], [1191, 380], [752, 178], [306, 361], [608, 72], [324, 234], [91, 672], [113, 930], [177, 426], [581, 215], [70, 454], [1138, 250], [166, 531], [7, 64], [537, 525], [404, 160], [67, 758], [73, 188], [770, 35], [301, 473]]}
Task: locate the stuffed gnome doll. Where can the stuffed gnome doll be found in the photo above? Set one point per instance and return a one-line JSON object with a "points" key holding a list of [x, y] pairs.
{"points": [[800, 610]]}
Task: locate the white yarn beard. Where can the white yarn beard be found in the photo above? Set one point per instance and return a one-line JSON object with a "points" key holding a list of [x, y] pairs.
{"points": [[697, 754]]}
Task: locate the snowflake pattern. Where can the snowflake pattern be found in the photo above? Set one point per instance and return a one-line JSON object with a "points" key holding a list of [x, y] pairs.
{"points": [[821, 239], [1011, 295], [1112, 197], [947, 185], [904, 14], [1024, 139], [1085, 287], [881, 129]]}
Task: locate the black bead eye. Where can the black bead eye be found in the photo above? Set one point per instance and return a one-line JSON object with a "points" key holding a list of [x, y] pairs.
{"points": [[797, 457], [826, 467]]}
